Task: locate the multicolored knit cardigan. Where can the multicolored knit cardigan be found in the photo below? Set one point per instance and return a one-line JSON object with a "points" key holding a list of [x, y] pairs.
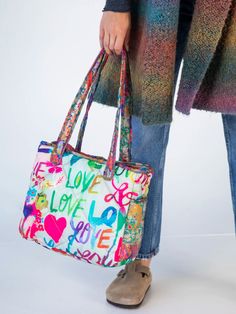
{"points": [[208, 79]]}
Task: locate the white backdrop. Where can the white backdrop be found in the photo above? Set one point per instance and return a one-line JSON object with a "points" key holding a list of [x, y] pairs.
{"points": [[47, 46]]}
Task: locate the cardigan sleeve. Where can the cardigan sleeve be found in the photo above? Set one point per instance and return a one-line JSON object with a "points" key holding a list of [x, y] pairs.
{"points": [[117, 5]]}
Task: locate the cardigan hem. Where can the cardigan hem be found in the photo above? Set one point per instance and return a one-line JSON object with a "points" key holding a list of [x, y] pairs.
{"points": [[155, 119], [212, 110], [206, 109]]}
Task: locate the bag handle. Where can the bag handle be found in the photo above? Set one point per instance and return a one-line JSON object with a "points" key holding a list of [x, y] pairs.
{"points": [[126, 128], [72, 115], [76, 107], [90, 100]]}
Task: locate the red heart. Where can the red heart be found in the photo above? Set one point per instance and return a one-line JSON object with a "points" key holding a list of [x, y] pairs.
{"points": [[54, 227]]}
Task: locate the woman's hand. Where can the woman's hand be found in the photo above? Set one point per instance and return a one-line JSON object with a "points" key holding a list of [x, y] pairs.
{"points": [[115, 31]]}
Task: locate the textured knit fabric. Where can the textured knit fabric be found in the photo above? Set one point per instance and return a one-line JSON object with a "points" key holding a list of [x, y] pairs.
{"points": [[208, 78], [117, 5]]}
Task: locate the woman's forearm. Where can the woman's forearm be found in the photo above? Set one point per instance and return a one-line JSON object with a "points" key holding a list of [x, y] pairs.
{"points": [[117, 5]]}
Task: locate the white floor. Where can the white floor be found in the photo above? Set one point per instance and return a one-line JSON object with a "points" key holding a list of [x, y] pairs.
{"points": [[186, 279]]}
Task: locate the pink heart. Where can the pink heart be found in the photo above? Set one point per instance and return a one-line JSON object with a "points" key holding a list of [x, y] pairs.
{"points": [[54, 227]]}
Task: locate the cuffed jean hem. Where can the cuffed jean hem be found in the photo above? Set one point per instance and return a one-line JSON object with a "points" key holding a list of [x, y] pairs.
{"points": [[148, 255]]}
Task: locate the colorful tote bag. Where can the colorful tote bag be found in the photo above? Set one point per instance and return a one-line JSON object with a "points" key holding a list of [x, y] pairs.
{"points": [[85, 206]]}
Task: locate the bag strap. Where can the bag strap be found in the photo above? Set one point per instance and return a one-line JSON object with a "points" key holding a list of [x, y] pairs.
{"points": [[125, 142], [90, 100], [126, 128], [126, 120], [72, 115], [76, 107]]}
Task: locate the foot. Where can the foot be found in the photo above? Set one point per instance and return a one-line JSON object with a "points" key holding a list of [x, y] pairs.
{"points": [[130, 286]]}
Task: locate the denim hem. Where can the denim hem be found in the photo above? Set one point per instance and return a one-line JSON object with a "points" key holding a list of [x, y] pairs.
{"points": [[148, 255]]}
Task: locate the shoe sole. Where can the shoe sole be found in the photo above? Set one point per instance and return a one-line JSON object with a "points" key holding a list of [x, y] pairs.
{"points": [[129, 305]]}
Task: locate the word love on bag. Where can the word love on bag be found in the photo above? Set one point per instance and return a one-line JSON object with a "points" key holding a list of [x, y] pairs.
{"points": [[65, 209]]}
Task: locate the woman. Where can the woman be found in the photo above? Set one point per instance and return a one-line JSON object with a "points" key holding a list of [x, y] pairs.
{"points": [[150, 126]]}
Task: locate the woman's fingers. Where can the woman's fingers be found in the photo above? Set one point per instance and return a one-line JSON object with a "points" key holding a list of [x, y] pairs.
{"points": [[112, 42], [119, 44], [114, 31], [126, 43], [106, 42]]}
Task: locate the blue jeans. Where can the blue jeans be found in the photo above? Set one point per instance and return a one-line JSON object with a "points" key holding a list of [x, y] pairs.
{"points": [[150, 142]]}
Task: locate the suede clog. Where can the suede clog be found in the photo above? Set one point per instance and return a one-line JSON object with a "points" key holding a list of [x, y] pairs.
{"points": [[130, 286]]}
